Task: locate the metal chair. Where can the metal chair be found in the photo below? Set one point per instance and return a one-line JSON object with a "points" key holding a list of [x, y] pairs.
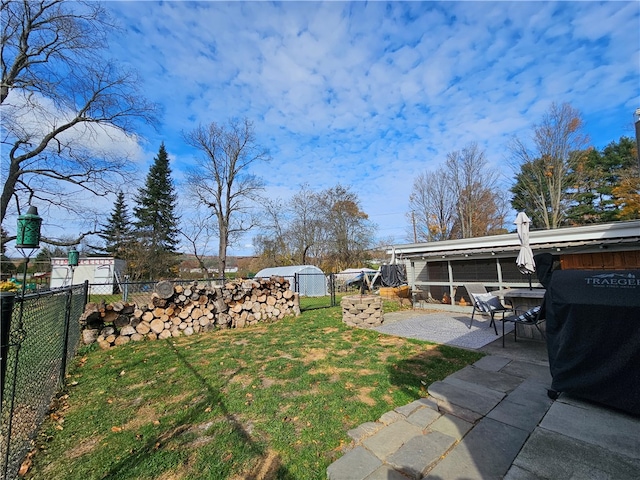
{"points": [[485, 302], [534, 316]]}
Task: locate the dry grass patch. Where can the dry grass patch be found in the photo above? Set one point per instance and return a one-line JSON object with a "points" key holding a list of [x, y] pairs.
{"points": [[364, 396], [242, 379], [331, 370], [266, 468], [143, 416], [328, 330], [86, 446], [315, 355]]}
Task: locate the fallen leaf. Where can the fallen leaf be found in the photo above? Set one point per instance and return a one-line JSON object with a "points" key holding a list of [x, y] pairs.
{"points": [[24, 468], [116, 429]]}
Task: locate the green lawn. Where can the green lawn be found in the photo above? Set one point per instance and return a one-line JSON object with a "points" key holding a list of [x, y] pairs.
{"points": [[268, 402]]}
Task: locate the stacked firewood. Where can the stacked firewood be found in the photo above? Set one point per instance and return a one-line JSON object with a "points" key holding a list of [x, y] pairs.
{"points": [[184, 310]]}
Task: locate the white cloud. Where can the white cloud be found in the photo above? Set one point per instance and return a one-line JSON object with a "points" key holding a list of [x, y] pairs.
{"points": [[368, 94]]}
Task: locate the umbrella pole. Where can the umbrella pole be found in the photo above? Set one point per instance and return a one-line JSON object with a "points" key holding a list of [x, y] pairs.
{"points": [[529, 275]]}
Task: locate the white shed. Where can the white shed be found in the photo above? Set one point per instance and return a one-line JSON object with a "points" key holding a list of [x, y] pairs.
{"points": [[307, 280], [102, 272]]}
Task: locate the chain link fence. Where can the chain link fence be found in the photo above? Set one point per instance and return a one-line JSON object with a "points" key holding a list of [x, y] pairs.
{"points": [[39, 336], [140, 293], [316, 290]]}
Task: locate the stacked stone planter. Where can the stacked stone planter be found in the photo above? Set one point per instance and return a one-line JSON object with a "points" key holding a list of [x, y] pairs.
{"points": [[364, 311]]}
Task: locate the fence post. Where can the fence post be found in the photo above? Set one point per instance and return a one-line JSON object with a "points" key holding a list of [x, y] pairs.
{"points": [[85, 292], [332, 288], [65, 339], [7, 300], [125, 289]]}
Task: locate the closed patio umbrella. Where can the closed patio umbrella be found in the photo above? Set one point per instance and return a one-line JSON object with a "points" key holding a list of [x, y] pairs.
{"points": [[525, 261]]}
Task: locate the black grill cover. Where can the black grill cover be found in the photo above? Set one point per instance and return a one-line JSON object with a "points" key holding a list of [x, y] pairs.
{"points": [[593, 336]]}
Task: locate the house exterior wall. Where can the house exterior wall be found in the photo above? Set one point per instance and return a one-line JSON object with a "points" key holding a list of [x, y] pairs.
{"points": [[437, 277], [439, 269], [601, 261]]}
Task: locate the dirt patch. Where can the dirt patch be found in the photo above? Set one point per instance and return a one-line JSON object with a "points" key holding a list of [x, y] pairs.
{"points": [[85, 447], [342, 353], [330, 330], [314, 355], [141, 385], [390, 340], [143, 416], [270, 382], [242, 379], [179, 399], [333, 372], [266, 468], [363, 396]]}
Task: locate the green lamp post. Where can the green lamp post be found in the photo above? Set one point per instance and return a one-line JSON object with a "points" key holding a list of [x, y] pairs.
{"points": [[28, 231], [73, 258], [27, 242], [28, 237]]}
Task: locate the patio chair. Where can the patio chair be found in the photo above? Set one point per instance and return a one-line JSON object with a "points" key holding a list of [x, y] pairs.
{"points": [[485, 302], [534, 316]]}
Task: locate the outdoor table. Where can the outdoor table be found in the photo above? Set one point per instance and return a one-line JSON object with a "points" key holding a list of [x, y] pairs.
{"points": [[524, 299]]}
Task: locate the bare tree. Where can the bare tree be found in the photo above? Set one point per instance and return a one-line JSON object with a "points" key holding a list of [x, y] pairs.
{"points": [[545, 168], [273, 242], [326, 229], [198, 232], [348, 229], [459, 200], [60, 99], [433, 207], [479, 203], [222, 181], [306, 230]]}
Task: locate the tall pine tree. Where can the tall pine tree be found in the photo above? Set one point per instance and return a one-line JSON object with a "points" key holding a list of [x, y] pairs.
{"points": [[156, 225], [117, 232]]}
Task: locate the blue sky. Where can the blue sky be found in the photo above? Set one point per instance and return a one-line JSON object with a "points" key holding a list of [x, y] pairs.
{"points": [[372, 94]]}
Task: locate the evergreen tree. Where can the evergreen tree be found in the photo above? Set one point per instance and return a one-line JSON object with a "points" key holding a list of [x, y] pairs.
{"points": [[117, 232], [596, 178], [599, 187], [156, 225]]}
